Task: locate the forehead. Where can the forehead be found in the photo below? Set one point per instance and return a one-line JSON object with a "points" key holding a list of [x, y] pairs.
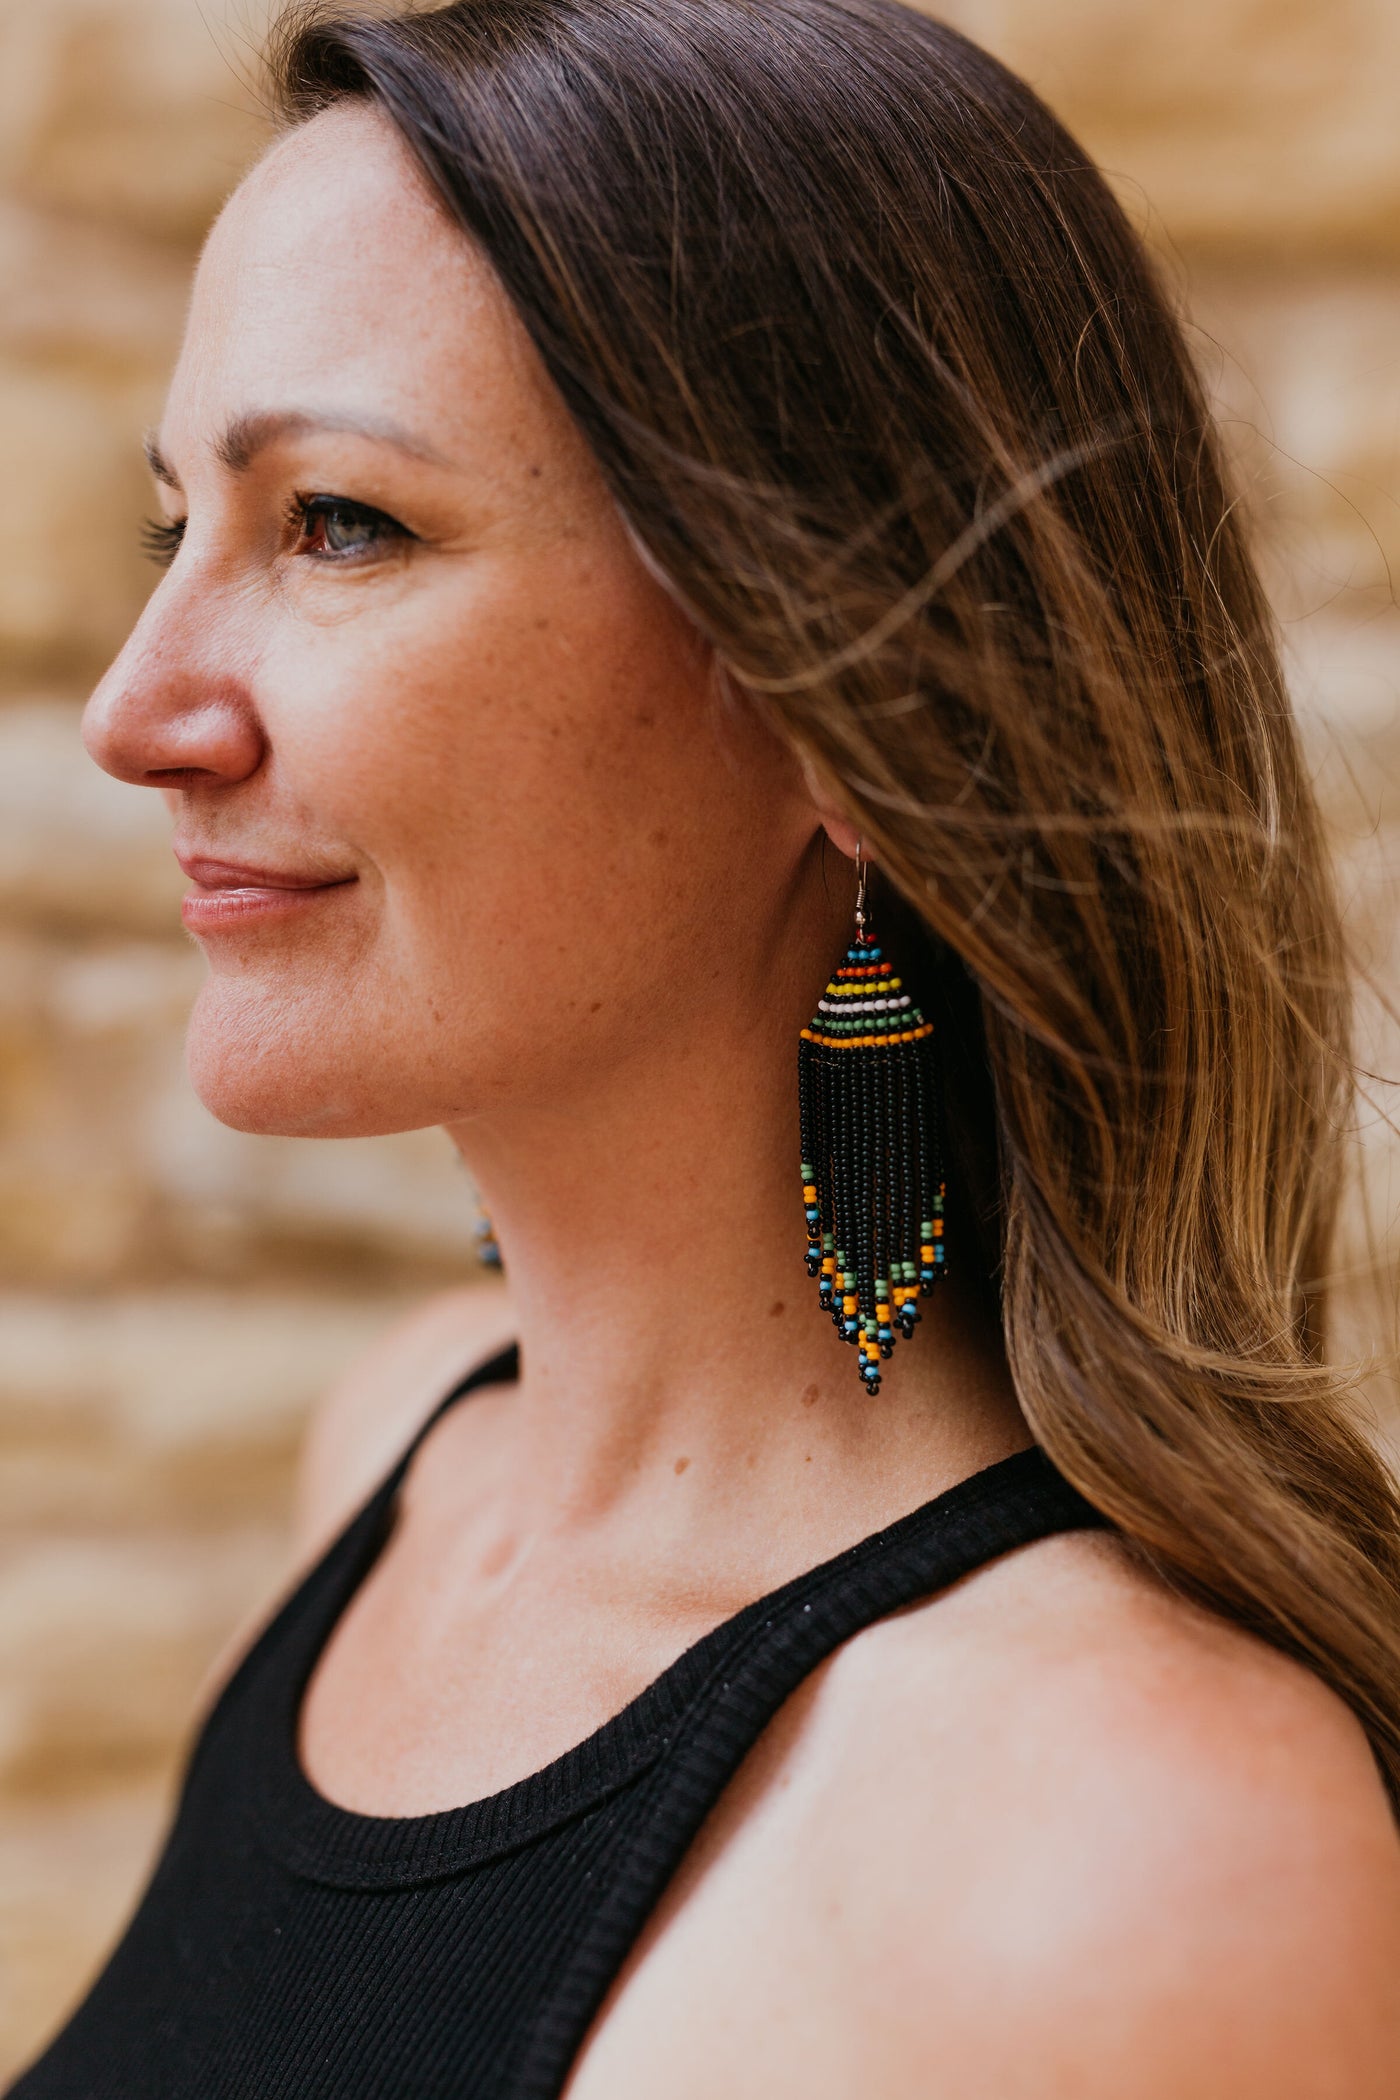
{"points": [[333, 269]]}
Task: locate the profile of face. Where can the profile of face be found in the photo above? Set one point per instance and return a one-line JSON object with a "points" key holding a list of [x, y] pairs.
{"points": [[469, 817]]}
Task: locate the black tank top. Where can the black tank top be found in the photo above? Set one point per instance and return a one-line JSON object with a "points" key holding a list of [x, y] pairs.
{"points": [[289, 1949]]}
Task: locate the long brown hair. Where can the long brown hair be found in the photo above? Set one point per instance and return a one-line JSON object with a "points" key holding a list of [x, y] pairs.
{"points": [[887, 389]]}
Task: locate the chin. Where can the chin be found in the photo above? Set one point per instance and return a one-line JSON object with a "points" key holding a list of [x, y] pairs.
{"points": [[285, 1073]]}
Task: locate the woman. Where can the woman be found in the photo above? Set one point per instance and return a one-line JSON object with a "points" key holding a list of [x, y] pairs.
{"points": [[626, 460]]}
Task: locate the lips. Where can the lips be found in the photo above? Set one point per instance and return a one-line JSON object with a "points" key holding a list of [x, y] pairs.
{"points": [[236, 875], [231, 896]]}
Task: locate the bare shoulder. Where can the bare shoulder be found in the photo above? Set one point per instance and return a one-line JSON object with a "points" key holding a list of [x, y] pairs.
{"points": [[364, 1420], [1167, 1846], [1054, 1835]]}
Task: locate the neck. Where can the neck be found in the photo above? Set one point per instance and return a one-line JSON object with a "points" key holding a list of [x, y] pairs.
{"points": [[651, 1225]]}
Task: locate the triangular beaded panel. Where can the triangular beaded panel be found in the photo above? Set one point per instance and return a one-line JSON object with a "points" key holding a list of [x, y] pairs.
{"points": [[865, 1006], [872, 1177]]}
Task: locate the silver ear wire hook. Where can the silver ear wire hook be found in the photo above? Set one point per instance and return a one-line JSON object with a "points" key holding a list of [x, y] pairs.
{"points": [[860, 887]]}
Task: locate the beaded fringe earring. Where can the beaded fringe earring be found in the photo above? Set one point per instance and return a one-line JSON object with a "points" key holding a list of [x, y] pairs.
{"points": [[872, 1151], [488, 1251]]}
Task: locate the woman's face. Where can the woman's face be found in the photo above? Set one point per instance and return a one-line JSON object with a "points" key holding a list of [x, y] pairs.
{"points": [[466, 814]]}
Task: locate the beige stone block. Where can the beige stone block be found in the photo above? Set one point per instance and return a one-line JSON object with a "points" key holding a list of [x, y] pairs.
{"points": [[72, 576], [1234, 122], [1303, 366], [79, 851], [95, 299], [138, 112], [72, 1197], [405, 1195], [1345, 675], [69, 1872], [164, 1409], [72, 1203], [111, 1168], [114, 1600], [1245, 120], [71, 1471], [110, 1161], [104, 1642], [132, 987], [86, 1036], [160, 1373]]}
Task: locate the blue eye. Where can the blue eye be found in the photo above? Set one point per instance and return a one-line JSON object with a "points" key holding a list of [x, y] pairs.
{"points": [[329, 528], [333, 528]]}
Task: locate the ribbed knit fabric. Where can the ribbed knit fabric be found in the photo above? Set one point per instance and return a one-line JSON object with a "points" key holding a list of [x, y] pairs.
{"points": [[288, 1949]]}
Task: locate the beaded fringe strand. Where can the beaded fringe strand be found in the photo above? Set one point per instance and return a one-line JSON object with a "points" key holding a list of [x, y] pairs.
{"points": [[872, 1154]]}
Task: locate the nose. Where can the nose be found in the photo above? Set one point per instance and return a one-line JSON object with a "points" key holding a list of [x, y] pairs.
{"points": [[165, 715]]}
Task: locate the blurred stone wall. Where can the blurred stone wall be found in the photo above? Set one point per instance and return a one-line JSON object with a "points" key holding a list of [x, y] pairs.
{"points": [[173, 1295]]}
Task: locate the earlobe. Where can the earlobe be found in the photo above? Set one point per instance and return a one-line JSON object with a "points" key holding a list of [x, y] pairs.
{"points": [[845, 836]]}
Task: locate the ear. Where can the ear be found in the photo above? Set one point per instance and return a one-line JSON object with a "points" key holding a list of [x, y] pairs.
{"points": [[845, 836]]}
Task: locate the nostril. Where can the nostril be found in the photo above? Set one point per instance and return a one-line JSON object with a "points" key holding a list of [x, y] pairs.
{"points": [[162, 739]]}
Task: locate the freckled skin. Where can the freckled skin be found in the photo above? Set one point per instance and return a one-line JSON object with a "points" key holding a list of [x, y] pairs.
{"points": [[466, 724], [584, 904]]}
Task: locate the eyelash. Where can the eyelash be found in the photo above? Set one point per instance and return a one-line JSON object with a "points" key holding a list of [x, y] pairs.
{"points": [[161, 537]]}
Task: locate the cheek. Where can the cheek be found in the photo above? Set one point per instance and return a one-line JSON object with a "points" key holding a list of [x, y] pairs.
{"points": [[548, 814], [547, 767], [501, 708]]}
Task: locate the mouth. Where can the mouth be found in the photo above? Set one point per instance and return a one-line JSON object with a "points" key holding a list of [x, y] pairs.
{"points": [[231, 894]]}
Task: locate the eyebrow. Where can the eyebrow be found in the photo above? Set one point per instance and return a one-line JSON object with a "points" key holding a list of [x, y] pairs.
{"points": [[239, 444]]}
